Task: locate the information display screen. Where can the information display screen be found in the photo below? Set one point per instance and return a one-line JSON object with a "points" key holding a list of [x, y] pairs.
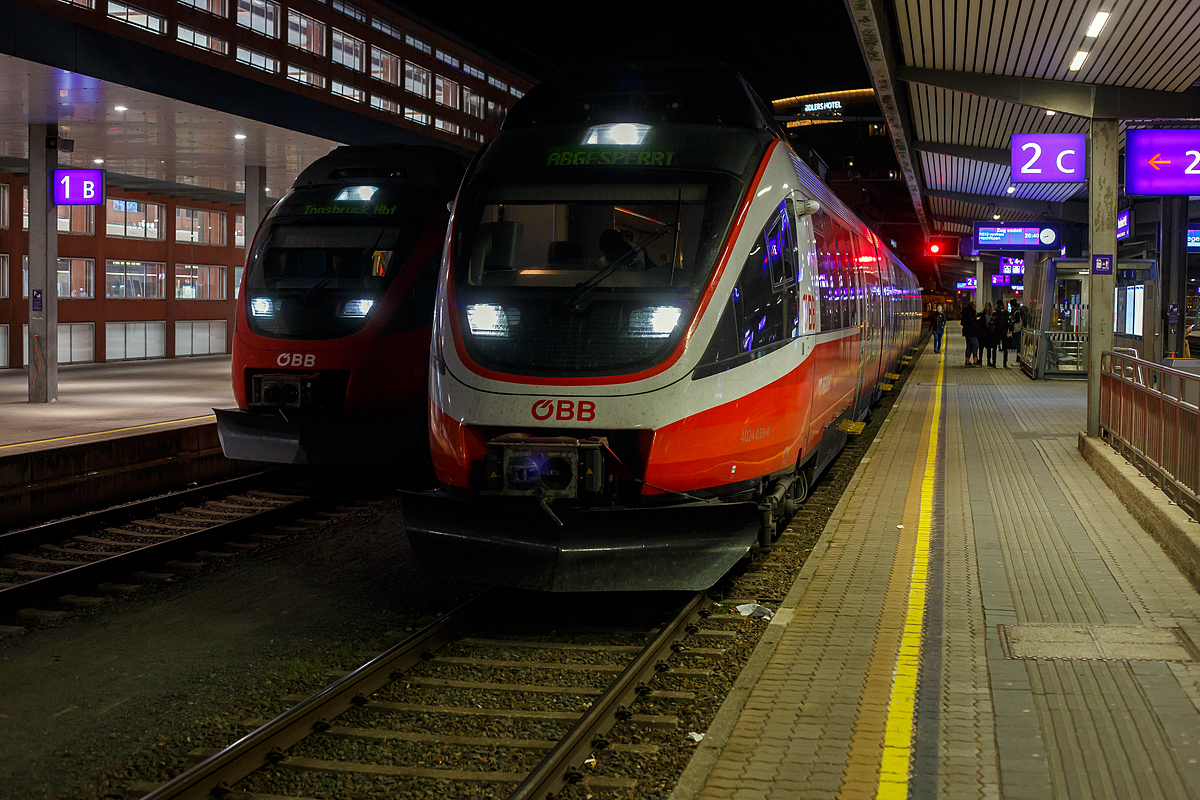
{"points": [[1001, 280], [1040, 236], [1193, 239], [969, 283], [1124, 224]]}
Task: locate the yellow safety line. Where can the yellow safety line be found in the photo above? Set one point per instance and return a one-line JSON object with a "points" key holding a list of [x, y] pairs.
{"points": [[101, 433], [897, 740]]}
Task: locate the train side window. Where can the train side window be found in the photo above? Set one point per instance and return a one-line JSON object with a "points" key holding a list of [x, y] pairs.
{"points": [[827, 278]]}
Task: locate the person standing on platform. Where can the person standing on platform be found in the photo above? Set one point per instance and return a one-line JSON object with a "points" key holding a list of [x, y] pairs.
{"points": [[1018, 325], [939, 328], [1001, 331], [986, 338], [970, 328]]}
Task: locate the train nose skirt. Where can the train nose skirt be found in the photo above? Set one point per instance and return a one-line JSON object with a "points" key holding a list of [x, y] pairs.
{"points": [[517, 544]]}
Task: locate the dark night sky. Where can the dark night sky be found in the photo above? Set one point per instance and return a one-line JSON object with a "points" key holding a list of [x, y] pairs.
{"points": [[783, 49]]}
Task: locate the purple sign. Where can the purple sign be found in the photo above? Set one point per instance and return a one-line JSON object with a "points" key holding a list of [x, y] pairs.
{"points": [[1124, 224], [1102, 265], [1012, 266], [78, 187], [1049, 157], [1017, 236], [1001, 280], [1161, 161]]}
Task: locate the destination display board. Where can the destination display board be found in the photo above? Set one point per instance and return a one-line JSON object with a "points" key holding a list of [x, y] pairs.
{"points": [[1162, 161], [1048, 157], [1018, 236]]}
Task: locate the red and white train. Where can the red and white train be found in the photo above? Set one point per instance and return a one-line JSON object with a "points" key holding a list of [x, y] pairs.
{"points": [[331, 344], [653, 326]]}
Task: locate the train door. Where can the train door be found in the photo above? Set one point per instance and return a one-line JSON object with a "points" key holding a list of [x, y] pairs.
{"points": [[873, 329], [807, 321]]}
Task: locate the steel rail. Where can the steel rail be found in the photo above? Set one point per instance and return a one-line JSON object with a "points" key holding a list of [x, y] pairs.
{"points": [[213, 776], [561, 765], [120, 565]]}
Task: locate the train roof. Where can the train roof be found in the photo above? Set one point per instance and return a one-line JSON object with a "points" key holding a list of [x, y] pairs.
{"points": [[643, 93], [396, 163]]}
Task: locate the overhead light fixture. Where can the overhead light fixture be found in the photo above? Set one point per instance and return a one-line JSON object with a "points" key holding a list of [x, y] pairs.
{"points": [[120, 108], [995, 215], [1012, 189], [239, 136], [1097, 25], [1077, 61], [1050, 113], [97, 160]]}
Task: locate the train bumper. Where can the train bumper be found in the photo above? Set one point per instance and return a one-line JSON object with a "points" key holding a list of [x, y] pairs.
{"points": [[516, 543], [326, 439]]}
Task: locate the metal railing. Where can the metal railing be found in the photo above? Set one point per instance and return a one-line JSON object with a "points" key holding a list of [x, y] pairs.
{"points": [[1151, 415]]}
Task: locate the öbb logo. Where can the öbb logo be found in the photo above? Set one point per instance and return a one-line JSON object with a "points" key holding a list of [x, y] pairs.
{"points": [[564, 410], [296, 359]]}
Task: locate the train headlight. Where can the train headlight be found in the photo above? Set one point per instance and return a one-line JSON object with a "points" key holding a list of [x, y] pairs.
{"points": [[262, 307], [488, 319], [357, 309], [656, 322]]}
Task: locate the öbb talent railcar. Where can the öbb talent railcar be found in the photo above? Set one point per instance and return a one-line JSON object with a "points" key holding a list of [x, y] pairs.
{"points": [[653, 323], [331, 348]]}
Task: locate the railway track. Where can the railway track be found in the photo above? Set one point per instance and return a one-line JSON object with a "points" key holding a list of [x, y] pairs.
{"points": [[77, 562], [469, 706]]}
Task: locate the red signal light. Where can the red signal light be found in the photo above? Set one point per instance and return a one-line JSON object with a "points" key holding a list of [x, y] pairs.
{"points": [[935, 248]]}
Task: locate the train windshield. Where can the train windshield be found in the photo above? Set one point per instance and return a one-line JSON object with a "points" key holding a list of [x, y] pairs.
{"points": [[321, 281], [593, 278]]}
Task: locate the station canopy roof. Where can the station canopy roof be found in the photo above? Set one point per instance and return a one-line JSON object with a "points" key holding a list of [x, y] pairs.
{"points": [[957, 78]]}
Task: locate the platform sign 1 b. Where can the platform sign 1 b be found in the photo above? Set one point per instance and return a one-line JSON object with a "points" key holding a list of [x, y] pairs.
{"points": [[1162, 161], [1049, 157], [78, 187]]}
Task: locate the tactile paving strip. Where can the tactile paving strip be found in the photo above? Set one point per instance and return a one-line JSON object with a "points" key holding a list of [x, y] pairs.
{"points": [[1097, 642]]}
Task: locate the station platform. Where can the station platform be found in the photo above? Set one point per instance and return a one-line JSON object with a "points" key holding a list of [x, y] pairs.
{"points": [[982, 618]]}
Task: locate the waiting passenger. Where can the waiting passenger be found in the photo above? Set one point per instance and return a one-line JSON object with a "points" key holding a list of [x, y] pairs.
{"points": [[1001, 333], [939, 328], [970, 328]]}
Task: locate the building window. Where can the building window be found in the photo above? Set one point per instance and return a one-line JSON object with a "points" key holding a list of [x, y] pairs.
{"points": [[202, 40], [448, 127], [383, 104], [347, 91], [348, 50], [79, 220], [3, 275], [199, 282], [306, 33], [496, 113], [75, 278], [3, 345], [237, 281], [417, 79], [515, 92], [446, 93], [350, 10], [474, 136], [80, 3], [472, 103], [136, 17], [261, 16], [385, 66], [127, 340], [306, 77], [214, 7], [199, 337], [76, 342], [387, 28], [419, 117], [199, 226], [134, 219], [499, 84], [3, 205], [419, 44], [257, 60], [239, 229], [473, 71], [446, 58], [134, 280]]}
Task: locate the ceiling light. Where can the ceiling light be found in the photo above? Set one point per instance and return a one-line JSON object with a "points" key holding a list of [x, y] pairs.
{"points": [[1097, 24], [97, 160], [1012, 189], [239, 136], [120, 108], [1050, 113], [1077, 61], [996, 215]]}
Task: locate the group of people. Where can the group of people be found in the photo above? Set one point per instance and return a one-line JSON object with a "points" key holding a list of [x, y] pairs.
{"points": [[985, 331]]}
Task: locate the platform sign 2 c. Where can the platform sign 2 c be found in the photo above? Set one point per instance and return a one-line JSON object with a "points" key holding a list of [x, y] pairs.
{"points": [[1162, 161], [78, 187], [1049, 157]]}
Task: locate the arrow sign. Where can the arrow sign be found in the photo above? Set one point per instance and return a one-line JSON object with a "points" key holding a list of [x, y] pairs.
{"points": [[1162, 161]]}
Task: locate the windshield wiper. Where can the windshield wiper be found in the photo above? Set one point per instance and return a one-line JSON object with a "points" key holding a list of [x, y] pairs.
{"points": [[575, 302]]}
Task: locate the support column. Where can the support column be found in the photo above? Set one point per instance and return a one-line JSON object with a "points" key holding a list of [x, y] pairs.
{"points": [[982, 288], [1102, 240], [256, 200], [42, 368], [1172, 252]]}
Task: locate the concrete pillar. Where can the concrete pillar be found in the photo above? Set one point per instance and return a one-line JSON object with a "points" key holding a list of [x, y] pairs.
{"points": [[1172, 270], [982, 288], [1102, 240], [43, 266], [256, 200]]}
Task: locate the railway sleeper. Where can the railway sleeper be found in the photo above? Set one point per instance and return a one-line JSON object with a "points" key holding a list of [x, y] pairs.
{"points": [[516, 688]]}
